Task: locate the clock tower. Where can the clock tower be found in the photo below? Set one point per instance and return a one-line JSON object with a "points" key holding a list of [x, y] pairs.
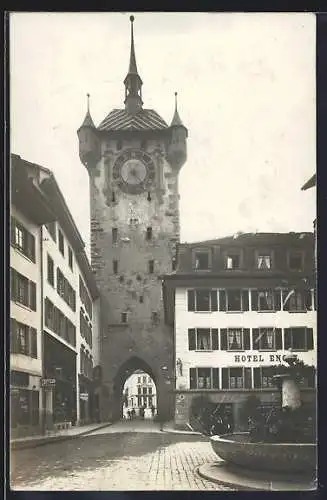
{"points": [[133, 159]]}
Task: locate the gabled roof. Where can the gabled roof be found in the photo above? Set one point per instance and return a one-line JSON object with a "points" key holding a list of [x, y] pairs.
{"points": [[252, 238], [120, 119]]}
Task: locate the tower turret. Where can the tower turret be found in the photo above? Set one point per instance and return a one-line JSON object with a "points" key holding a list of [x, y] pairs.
{"points": [[177, 149], [133, 82], [89, 145]]}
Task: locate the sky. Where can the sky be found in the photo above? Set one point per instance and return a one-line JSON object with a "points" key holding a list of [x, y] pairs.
{"points": [[246, 93]]}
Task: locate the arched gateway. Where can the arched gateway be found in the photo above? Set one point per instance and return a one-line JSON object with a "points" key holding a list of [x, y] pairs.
{"points": [[133, 159]]}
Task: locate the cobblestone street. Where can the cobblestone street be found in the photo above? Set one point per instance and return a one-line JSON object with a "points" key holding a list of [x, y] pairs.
{"points": [[116, 458]]}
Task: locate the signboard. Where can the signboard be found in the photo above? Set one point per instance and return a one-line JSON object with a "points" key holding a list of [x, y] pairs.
{"points": [[84, 396], [259, 358], [48, 382]]}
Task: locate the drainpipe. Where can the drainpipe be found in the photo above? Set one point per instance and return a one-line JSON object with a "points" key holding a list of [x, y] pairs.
{"points": [[43, 400]]}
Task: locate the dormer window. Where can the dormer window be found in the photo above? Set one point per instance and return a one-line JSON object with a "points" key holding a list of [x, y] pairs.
{"points": [[202, 259], [233, 260], [295, 261]]}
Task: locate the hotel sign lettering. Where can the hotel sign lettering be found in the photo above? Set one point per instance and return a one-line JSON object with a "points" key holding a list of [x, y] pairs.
{"points": [[259, 358]]}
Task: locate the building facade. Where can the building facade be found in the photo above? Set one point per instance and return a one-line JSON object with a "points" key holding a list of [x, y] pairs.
{"points": [[236, 306], [133, 159], [68, 319], [139, 392]]}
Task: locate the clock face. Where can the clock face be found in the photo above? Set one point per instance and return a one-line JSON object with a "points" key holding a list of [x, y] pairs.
{"points": [[134, 171]]}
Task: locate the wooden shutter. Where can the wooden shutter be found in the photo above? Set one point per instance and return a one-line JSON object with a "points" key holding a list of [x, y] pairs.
{"points": [[247, 378], [278, 339], [191, 300], [13, 284], [31, 246], [32, 295], [254, 300], [13, 337], [287, 338], [215, 340], [222, 300], [286, 307], [223, 339], [255, 337], [309, 339], [256, 378], [246, 339], [225, 381], [215, 378], [214, 300], [308, 300], [245, 300], [193, 378], [33, 343], [191, 339], [277, 297], [13, 231]]}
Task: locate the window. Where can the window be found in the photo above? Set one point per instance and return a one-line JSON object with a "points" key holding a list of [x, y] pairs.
{"points": [[236, 378], [24, 407], [114, 234], [149, 196], [266, 300], [23, 339], [85, 298], [233, 260], [50, 271], [143, 144], [23, 291], [149, 233], [295, 261], [155, 317], [234, 300], [144, 390], [203, 339], [70, 258], [204, 378], [263, 260], [119, 144], [61, 242], [202, 261], [113, 197], [234, 339], [202, 300], [124, 317], [144, 380], [151, 266], [51, 227], [56, 321], [296, 300], [267, 339], [22, 239], [298, 338], [263, 378], [150, 390], [115, 266]]}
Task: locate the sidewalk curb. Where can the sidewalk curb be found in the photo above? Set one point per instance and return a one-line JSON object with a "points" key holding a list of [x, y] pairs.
{"points": [[19, 445]]}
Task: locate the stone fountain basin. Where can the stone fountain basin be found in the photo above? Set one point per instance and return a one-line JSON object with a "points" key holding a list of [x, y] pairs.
{"points": [[237, 449]]}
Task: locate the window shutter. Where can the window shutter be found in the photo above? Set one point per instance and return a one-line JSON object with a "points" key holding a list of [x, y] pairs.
{"points": [[31, 246], [309, 339], [33, 343], [256, 378], [58, 281], [13, 284], [224, 373], [215, 341], [245, 300], [246, 338], [308, 300], [12, 230], [191, 300], [254, 300], [287, 338], [222, 300], [214, 300], [13, 336], [192, 378], [191, 339], [255, 336], [247, 378], [278, 339], [223, 339], [277, 295], [215, 378], [32, 295], [286, 306]]}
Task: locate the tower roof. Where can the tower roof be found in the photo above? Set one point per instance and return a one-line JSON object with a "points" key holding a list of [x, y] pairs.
{"points": [[132, 59], [176, 121], [88, 122], [145, 119]]}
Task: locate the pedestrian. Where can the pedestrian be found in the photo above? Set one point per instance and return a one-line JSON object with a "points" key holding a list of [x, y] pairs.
{"points": [[133, 413], [129, 414], [152, 411]]}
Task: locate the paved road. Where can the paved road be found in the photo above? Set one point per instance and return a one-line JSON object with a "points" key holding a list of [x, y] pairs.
{"points": [[126, 456]]}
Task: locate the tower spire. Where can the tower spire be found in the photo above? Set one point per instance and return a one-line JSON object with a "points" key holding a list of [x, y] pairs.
{"points": [[88, 122], [133, 82], [176, 121]]}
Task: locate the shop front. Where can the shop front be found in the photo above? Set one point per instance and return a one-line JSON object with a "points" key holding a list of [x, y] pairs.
{"points": [[24, 404], [86, 400]]}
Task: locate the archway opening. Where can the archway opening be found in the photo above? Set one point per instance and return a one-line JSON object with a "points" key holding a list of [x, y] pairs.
{"points": [[139, 397]]}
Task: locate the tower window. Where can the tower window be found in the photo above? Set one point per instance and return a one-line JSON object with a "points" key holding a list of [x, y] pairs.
{"points": [[149, 233], [123, 317], [141, 299], [151, 266], [115, 266], [143, 144], [70, 258], [119, 144], [174, 264], [149, 196], [114, 232], [113, 197], [121, 279], [61, 242]]}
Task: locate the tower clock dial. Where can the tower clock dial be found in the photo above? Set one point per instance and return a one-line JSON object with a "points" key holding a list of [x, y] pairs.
{"points": [[134, 171]]}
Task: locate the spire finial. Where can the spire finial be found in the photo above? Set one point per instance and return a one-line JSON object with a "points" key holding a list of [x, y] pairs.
{"points": [[88, 102], [132, 60], [176, 101]]}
